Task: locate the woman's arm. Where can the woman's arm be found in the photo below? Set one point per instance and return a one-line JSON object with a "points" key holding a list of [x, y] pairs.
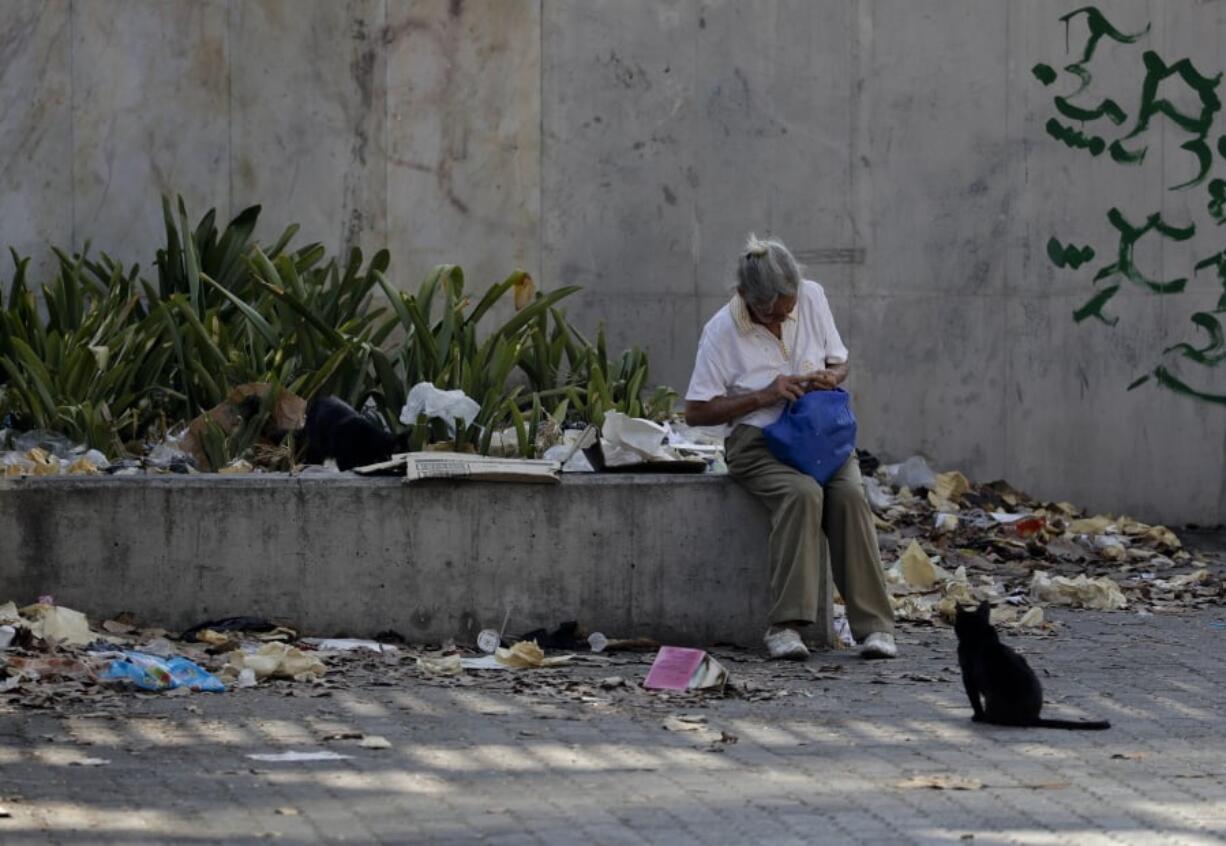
{"points": [[720, 410]]}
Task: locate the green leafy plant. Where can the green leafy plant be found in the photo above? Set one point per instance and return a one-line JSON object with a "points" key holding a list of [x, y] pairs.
{"points": [[111, 359]]}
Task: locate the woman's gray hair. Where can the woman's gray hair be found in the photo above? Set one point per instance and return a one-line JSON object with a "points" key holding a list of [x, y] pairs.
{"points": [[765, 272]]}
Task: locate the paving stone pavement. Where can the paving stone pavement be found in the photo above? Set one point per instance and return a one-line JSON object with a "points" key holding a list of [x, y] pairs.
{"points": [[488, 761]]}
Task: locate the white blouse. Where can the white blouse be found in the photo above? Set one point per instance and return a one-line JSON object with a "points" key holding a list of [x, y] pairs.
{"points": [[737, 356]]}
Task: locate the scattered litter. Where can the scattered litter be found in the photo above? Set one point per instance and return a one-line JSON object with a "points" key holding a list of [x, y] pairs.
{"points": [[149, 672], [842, 631], [55, 667], [296, 757], [89, 762], [678, 668], [447, 406], [374, 741], [488, 640], [286, 812], [59, 624], [916, 569], [633, 440], [1101, 594], [337, 644], [684, 722], [274, 660], [448, 665], [1032, 619], [267, 629], [523, 655], [914, 473], [944, 522], [940, 781], [6, 636], [951, 486], [422, 466]]}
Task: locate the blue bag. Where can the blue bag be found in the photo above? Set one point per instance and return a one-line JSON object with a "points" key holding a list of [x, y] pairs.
{"points": [[816, 434]]}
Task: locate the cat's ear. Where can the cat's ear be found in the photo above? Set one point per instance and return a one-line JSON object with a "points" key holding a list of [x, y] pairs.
{"points": [[984, 610]]}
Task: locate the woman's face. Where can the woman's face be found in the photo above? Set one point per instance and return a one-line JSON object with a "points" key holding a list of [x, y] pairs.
{"points": [[775, 315]]}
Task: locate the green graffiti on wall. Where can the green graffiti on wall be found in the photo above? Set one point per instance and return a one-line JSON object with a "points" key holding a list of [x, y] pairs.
{"points": [[1175, 97]]}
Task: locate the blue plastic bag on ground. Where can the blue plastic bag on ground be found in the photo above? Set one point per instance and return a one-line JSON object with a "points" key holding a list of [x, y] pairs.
{"points": [[150, 672], [816, 434]]}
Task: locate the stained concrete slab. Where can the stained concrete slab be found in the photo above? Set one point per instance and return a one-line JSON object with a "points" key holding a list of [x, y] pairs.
{"points": [[678, 559], [148, 83], [464, 138], [306, 118], [35, 131]]}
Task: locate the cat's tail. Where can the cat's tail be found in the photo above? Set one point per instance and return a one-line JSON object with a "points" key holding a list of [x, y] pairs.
{"points": [[1084, 725]]}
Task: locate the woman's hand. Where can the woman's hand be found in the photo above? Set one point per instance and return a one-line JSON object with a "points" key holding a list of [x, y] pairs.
{"points": [[821, 380], [784, 389], [828, 379]]}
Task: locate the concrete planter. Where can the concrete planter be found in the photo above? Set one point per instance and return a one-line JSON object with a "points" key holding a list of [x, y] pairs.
{"points": [[678, 559]]}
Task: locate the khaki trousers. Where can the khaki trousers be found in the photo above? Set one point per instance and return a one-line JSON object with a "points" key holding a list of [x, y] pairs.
{"points": [[800, 511]]}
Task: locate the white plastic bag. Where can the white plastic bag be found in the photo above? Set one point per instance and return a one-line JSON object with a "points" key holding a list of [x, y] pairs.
{"points": [[426, 399]]}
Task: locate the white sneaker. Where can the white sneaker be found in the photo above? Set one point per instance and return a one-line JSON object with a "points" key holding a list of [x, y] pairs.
{"points": [[879, 645], [785, 643]]}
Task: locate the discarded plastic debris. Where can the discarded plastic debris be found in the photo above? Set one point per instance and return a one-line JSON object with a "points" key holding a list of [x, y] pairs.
{"points": [[447, 406], [1101, 593], [374, 741], [943, 523], [6, 636], [89, 762], [274, 660], [684, 722], [526, 654], [342, 644], [1028, 526], [914, 473], [58, 624], [523, 655], [678, 668], [842, 632], [1032, 619], [448, 665], [254, 625], [149, 672], [488, 640], [597, 641], [878, 498], [633, 440], [298, 757]]}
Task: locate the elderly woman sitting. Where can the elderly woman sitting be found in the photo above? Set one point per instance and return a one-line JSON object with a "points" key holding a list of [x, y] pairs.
{"points": [[773, 342]]}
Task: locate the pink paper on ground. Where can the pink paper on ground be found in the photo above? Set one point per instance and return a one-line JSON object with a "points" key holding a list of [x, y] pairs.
{"points": [[674, 667]]}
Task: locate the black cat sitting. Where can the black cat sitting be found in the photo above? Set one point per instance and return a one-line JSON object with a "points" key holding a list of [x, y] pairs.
{"points": [[1002, 688], [335, 430]]}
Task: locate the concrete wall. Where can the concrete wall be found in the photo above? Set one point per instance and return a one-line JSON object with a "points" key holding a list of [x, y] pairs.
{"points": [[629, 556], [900, 147]]}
